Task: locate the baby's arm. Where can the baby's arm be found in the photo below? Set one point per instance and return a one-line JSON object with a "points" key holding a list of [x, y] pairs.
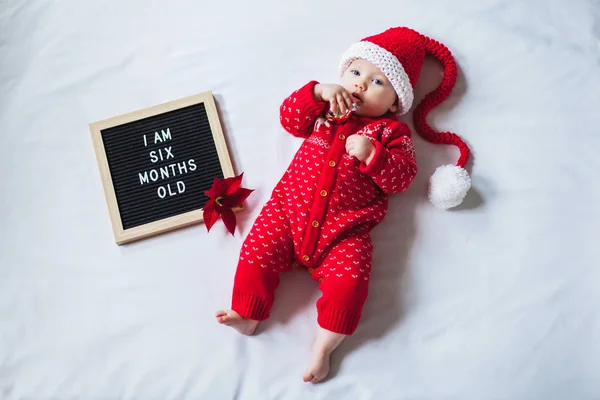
{"points": [[299, 111], [393, 165]]}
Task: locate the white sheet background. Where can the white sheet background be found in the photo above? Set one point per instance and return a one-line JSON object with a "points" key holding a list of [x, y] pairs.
{"points": [[496, 300]]}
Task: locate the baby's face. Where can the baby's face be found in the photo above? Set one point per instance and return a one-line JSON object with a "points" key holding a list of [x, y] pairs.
{"points": [[370, 89]]}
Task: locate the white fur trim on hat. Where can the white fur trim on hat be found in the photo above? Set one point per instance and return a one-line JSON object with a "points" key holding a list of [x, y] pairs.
{"points": [[448, 186], [388, 64]]}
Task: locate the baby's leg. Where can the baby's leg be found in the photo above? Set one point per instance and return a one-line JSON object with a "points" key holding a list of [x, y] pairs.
{"points": [[265, 253], [344, 281], [325, 343]]}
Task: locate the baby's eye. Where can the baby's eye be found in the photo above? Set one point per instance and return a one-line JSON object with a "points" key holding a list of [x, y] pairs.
{"points": [[355, 72], [377, 81]]}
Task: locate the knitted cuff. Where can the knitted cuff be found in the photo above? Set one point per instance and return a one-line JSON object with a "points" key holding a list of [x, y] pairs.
{"points": [[250, 306], [376, 163], [306, 100], [338, 321]]}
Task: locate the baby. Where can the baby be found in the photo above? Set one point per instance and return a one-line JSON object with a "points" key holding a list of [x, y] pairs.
{"points": [[356, 152]]}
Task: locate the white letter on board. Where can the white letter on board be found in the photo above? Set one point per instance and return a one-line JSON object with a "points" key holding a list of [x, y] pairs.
{"points": [[157, 138], [170, 192], [155, 176], [169, 154], [153, 157], [166, 135], [145, 141], [184, 169], [180, 188], [192, 164], [164, 172], [144, 178], [162, 192]]}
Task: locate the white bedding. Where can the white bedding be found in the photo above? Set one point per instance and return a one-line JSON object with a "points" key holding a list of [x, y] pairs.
{"points": [[499, 299]]}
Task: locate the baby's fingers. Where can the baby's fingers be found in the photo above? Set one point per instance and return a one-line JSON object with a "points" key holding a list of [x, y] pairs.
{"points": [[347, 100], [333, 105], [350, 146], [352, 141], [342, 103]]}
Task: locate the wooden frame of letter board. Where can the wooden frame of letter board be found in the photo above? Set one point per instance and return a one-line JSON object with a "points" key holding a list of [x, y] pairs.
{"points": [[123, 236]]}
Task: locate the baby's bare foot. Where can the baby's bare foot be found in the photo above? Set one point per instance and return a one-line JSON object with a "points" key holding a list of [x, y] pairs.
{"points": [[244, 326], [325, 343], [318, 367]]}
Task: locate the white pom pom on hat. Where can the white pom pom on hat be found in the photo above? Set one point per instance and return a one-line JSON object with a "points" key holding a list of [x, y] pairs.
{"points": [[448, 186], [400, 53]]}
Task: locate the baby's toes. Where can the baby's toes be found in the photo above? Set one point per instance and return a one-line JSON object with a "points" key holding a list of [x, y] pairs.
{"points": [[222, 317]]}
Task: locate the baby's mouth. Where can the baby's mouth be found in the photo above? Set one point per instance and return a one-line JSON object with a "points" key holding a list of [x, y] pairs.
{"points": [[357, 98]]}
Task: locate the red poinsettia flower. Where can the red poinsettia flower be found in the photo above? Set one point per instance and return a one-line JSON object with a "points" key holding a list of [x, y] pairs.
{"points": [[224, 195]]}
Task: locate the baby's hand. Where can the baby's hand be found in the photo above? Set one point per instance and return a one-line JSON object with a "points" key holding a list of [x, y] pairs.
{"points": [[336, 95], [360, 147]]}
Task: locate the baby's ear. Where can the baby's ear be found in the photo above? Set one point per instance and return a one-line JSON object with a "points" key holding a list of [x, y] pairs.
{"points": [[394, 108]]}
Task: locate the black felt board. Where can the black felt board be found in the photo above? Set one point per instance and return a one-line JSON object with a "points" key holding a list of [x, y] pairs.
{"points": [[161, 165], [157, 163]]}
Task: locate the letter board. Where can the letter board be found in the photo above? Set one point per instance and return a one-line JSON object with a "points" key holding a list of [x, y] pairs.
{"points": [[156, 164]]}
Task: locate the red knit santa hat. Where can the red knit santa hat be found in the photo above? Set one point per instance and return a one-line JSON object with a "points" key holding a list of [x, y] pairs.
{"points": [[399, 53]]}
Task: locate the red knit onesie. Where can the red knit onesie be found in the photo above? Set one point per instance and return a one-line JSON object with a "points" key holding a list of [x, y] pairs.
{"points": [[321, 212]]}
